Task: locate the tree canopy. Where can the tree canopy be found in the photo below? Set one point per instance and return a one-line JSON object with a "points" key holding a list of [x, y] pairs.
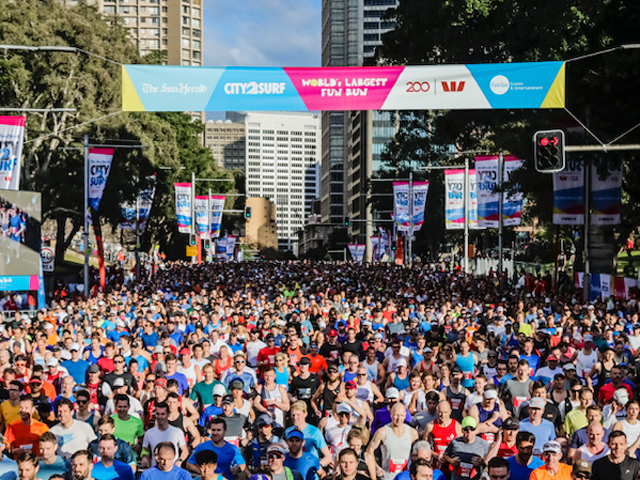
{"points": [[599, 88]]}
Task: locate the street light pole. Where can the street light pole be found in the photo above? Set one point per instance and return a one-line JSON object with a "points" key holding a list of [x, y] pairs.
{"points": [[86, 215]]}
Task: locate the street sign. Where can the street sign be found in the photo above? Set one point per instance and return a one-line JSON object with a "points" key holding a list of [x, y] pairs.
{"points": [[48, 260], [192, 251]]}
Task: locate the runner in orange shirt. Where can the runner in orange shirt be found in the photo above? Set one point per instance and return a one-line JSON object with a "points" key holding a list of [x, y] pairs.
{"points": [[24, 434]]}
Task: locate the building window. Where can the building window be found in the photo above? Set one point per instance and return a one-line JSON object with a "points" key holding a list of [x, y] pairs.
{"points": [[196, 44], [124, 9], [185, 10], [196, 34], [154, 10], [110, 10], [186, 62], [154, 20], [186, 42], [186, 21], [196, 55], [143, 9], [196, 23], [154, 43], [185, 31], [196, 12], [143, 19]]}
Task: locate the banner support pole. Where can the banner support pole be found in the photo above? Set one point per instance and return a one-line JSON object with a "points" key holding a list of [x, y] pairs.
{"points": [[466, 192], [193, 212], [209, 218], [410, 232], [86, 219], [138, 238], [586, 280], [500, 206]]}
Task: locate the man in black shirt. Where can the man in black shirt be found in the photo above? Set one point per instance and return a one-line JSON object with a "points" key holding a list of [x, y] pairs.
{"points": [[305, 384], [352, 345], [617, 465], [331, 350]]}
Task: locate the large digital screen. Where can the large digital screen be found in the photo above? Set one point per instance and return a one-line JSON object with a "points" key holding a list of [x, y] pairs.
{"points": [[20, 222]]}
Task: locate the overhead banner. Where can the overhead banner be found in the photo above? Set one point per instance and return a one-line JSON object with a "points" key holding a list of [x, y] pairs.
{"points": [[357, 252], [183, 206], [131, 210], [568, 195], [164, 88], [486, 178], [11, 139], [606, 195], [512, 202], [99, 168]]}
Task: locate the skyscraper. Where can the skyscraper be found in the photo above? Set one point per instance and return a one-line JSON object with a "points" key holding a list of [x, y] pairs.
{"points": [[171, 25], [283, 165], [352, 141]]}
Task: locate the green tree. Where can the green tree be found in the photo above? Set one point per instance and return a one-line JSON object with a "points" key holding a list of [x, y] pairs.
{"points": [[491, 31]]}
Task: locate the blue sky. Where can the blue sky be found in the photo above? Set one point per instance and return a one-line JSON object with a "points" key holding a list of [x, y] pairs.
{"points": [[261, 33]]}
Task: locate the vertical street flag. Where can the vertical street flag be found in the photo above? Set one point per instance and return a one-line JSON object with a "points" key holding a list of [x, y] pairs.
{"points": [[512, 202], [357, 252], [487, 179], [129, 210], [606, 196], [473, 200], [375, 248], [420, 192], [401, 205], [231, 245], [568, 195], [201, 208], [454, 199], [217, 205], [183, 206], [11, 138], [221, 248], [99, 168]]}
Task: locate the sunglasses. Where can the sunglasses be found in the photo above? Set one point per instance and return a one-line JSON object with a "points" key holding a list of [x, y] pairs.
{"points": [[468, 429], [583, 475], [82, 402], [274, 455]]}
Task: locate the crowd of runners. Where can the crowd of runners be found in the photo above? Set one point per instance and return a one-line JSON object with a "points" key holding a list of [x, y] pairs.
{"points": [[302, 371]]}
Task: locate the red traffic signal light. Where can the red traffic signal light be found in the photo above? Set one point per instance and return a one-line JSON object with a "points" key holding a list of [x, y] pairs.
{"points": [[548, 151]]}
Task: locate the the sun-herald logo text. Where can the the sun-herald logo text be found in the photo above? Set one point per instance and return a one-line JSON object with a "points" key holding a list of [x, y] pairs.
{"points": [[181, 88]]}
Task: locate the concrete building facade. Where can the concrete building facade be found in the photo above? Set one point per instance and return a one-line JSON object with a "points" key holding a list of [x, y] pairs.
{"points": [[226, 140], [283, 165], [261, 229]]}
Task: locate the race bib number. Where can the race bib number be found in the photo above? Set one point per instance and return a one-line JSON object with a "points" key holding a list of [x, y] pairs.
{"points": [[456, 403], [272, 359], [467, 375], [397, 466], [464, 470], [304, 393], [489, 437], [517, 401], [233, 440]]}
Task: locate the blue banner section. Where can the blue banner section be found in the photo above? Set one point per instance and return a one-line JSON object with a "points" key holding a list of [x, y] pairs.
{"points": [[516, 85], [15, 283]]}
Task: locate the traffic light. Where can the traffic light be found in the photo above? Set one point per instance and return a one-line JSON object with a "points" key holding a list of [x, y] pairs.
{"points": [[346, 221], [548, 151], [247, 212], [393, 245], [193, 240], [207, 244]]}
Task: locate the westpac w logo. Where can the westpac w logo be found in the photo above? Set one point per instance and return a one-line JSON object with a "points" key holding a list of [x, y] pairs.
{"points": [[453, 86]]}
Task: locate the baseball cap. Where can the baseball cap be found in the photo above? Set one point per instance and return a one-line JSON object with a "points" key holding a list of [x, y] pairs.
{"points": [[402, 362], [295, 433], [552, 358], [305, 361], [344, 408], [185, 351], [162, 382], [236, 384], [511, 423], [392, 393], [74, 346], [351, 384], [119, 323], [587, 337], [219, 390], [621, 396], [264, 419], [333, 333], [552, 446], [93, 368], [35, 380], [537, 402], [277, 448], [582, 466], [469, 422], [158, 349], [239, 353], [455, 369], [569, 366], [427, 350], [227, 399], [118, 382], [52, 362], [490, 394]]}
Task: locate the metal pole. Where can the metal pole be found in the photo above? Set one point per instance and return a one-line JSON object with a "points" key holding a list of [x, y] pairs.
{"points": [[500, 201], [586, 279], [86, 218], [209, 218], [466, 192], [410, 232], [138, 238], [193, 210]]}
